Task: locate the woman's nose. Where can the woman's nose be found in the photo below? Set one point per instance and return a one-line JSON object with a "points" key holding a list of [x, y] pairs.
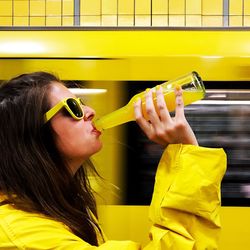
{"points": [[89, 113]]}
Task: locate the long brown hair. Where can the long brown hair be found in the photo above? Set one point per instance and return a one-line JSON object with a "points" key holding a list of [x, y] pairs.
{"points": [[33, 175]]}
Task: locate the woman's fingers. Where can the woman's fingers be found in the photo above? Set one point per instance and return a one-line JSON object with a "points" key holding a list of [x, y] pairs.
{"points": [[179, 104]]}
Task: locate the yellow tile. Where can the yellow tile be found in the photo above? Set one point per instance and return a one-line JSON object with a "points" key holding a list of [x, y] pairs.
{"points": [[68, 7], [235, 21], [143, 7], [177, 20], [159, 7], [193, 7], [5, 8], [212, 7], [21, 8], [67, 21], [176, 7], [109, 20], [5, 21], [193, 21], [109, 7], [90, 7], [53, 8], [142, 20], [246, 21], [37, 21], [90, 21], [21, 21], [37, 8], [53, 21], [159, 20], [125, 20], [235, 7], [246, 7], [126, 7], [212, 21]]}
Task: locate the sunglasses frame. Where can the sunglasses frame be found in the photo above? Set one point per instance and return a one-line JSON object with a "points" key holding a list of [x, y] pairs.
{"points": [[63, 104]]}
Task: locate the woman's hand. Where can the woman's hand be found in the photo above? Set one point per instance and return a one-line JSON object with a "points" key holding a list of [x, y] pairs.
{"points": [[161, 127]]}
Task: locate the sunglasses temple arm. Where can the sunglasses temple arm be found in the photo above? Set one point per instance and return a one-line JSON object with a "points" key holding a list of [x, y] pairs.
{"points": [[53, 111]]}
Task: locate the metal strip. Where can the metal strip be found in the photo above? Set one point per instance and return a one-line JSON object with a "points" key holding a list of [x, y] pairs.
{"points": [[225, 13], [77, 13]]}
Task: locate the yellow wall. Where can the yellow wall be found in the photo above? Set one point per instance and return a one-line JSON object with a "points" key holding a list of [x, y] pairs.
{"points": [[172, 13]]}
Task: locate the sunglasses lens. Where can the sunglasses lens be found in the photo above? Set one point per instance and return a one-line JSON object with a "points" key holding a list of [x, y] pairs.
{"points": [[75, 107]]}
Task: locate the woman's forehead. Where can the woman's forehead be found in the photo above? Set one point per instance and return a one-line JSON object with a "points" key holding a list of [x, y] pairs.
{"points": [[57, 92]]}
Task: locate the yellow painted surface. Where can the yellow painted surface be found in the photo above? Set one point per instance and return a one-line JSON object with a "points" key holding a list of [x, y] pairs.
{"points": [[125, 20], [21, 8], [153, 59], [236, 21], [37, 8], [193, 7], [235, 7], [160, 20], [6, 20], [21, 21], [90, 7], [5, 8], [212, 21], [131, 222], [109, 7], [193, 20], [126, 7], [159, 7], [53, 8], [109, 20], [212, 7], [37, 21], [246, 7], [90, 20], [68, 8], [176, 7], [143, 7], [67, 21]]}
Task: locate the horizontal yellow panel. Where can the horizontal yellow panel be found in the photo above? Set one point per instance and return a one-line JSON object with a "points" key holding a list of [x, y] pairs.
{"points": [[67, 21], [37, 21], [159, 20], [109, 20], [37, 8], [53, 7], [235, 7], [126, 7], [177, 20], [5, 21], [160, 7], [127, 57], [193, 20], [21, 8], [176, 7], [109, 7], [125, 20], [193, 7], [142, 20], [212, 7], [5, 8], [143, 7], [68, 7], [90, 20], [90, 7]]}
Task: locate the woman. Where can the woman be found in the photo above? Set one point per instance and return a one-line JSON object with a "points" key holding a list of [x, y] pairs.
{"points": [[47, 137]]}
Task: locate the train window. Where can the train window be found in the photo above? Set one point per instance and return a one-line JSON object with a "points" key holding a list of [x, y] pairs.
{"points": [[220, 120]]}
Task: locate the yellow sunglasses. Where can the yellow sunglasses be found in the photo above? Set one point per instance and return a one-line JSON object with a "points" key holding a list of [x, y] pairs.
{"points": [[72, 105]]}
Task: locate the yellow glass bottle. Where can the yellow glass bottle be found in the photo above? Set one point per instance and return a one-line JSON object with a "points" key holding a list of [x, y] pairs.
{"points": [[193, 90]]}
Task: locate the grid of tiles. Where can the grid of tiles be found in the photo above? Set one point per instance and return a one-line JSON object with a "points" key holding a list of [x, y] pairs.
{"points": [[132, 13]]}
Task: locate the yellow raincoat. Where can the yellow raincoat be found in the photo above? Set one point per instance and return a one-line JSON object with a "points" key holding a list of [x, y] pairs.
{"points": [[184, 209]]}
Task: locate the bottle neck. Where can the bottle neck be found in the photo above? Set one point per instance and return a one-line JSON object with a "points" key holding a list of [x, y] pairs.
{"points": [[115, 118]]}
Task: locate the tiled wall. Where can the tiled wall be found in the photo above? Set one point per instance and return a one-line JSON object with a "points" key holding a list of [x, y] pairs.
{"points": [[168, 13]]}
